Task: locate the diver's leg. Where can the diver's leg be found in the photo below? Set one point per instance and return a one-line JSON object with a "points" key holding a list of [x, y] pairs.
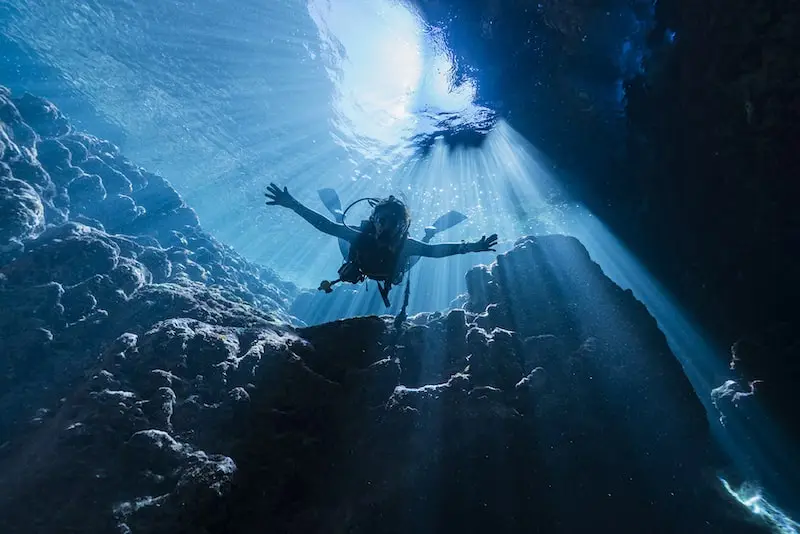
{"points": [[344, 248], [448, 220], [330, 199]]}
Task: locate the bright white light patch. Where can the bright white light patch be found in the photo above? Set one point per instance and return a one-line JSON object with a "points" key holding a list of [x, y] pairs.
{"points": [[392, 75], [373, 53], [751, 498]]}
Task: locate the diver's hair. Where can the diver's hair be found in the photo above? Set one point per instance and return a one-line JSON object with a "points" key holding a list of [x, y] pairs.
{"points": [[396, 207]]}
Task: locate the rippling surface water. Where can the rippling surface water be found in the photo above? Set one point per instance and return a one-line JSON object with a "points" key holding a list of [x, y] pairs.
{"points": [[210, 77], [395, 82], [361, 96]]}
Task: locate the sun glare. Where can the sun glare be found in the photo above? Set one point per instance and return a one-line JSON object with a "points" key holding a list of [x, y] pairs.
{"points": [[392, 75]]}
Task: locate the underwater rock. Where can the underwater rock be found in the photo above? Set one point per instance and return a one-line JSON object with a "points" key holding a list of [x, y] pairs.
{"points": [[118, 212], [92, 183], [85, 190], [158, 196], [94, 146], [354, 426], [114, 181], [42, 116], [118, 443], [53, 155], [21, 211], [77, 151], [160, 446], [14, 128], [371, 447], [68, 287], [35, 175], [157, 263], [66, 261]]}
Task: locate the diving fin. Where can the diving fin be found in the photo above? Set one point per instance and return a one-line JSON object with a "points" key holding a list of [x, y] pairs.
{"points": [[331, 201], [448, 220]]}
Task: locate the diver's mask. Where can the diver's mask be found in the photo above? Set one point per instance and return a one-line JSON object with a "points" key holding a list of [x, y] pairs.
{"points": [[388, 225]]}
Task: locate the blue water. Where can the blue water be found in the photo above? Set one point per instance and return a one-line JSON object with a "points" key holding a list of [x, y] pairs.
{"points": [[361, 96], [222, 101]]}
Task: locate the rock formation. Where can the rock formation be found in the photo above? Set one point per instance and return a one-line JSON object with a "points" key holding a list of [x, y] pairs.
{"points": [[92, 247]]}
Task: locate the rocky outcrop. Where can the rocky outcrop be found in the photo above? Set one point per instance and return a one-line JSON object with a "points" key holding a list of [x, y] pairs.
{"points": [[51, 174], [128, 442], [472, 420], [552, 391], [91, 247]]}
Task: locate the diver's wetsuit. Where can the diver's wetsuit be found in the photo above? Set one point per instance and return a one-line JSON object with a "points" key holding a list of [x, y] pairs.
{"points": [[330, 199], [366, 254], [411, 248]]}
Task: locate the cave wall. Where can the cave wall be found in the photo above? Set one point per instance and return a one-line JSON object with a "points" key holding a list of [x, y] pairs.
{"points": [[696, 175], [696, 172], [717, 119]]}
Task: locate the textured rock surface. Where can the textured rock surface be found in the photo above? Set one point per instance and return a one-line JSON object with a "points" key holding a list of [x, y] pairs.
{"points": [[469, 421], [91, 247], [128, 443]]}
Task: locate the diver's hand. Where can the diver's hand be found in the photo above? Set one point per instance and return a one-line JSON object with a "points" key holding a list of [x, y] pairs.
{"points": [[485, 244], [277, 197]]}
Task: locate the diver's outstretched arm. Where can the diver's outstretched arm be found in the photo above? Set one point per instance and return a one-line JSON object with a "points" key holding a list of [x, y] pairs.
{"points": [[323, 224], [441, 250], [277, 197]]}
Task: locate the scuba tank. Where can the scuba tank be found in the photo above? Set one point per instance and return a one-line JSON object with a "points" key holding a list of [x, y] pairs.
{"points": [[352, 270]]}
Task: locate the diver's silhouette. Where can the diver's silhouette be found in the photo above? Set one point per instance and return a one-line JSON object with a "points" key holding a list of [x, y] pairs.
{"points": [[381, 248]]}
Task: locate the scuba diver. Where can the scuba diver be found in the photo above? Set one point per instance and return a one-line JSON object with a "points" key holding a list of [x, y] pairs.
{"points": [[381, 248], [331, 201]]}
